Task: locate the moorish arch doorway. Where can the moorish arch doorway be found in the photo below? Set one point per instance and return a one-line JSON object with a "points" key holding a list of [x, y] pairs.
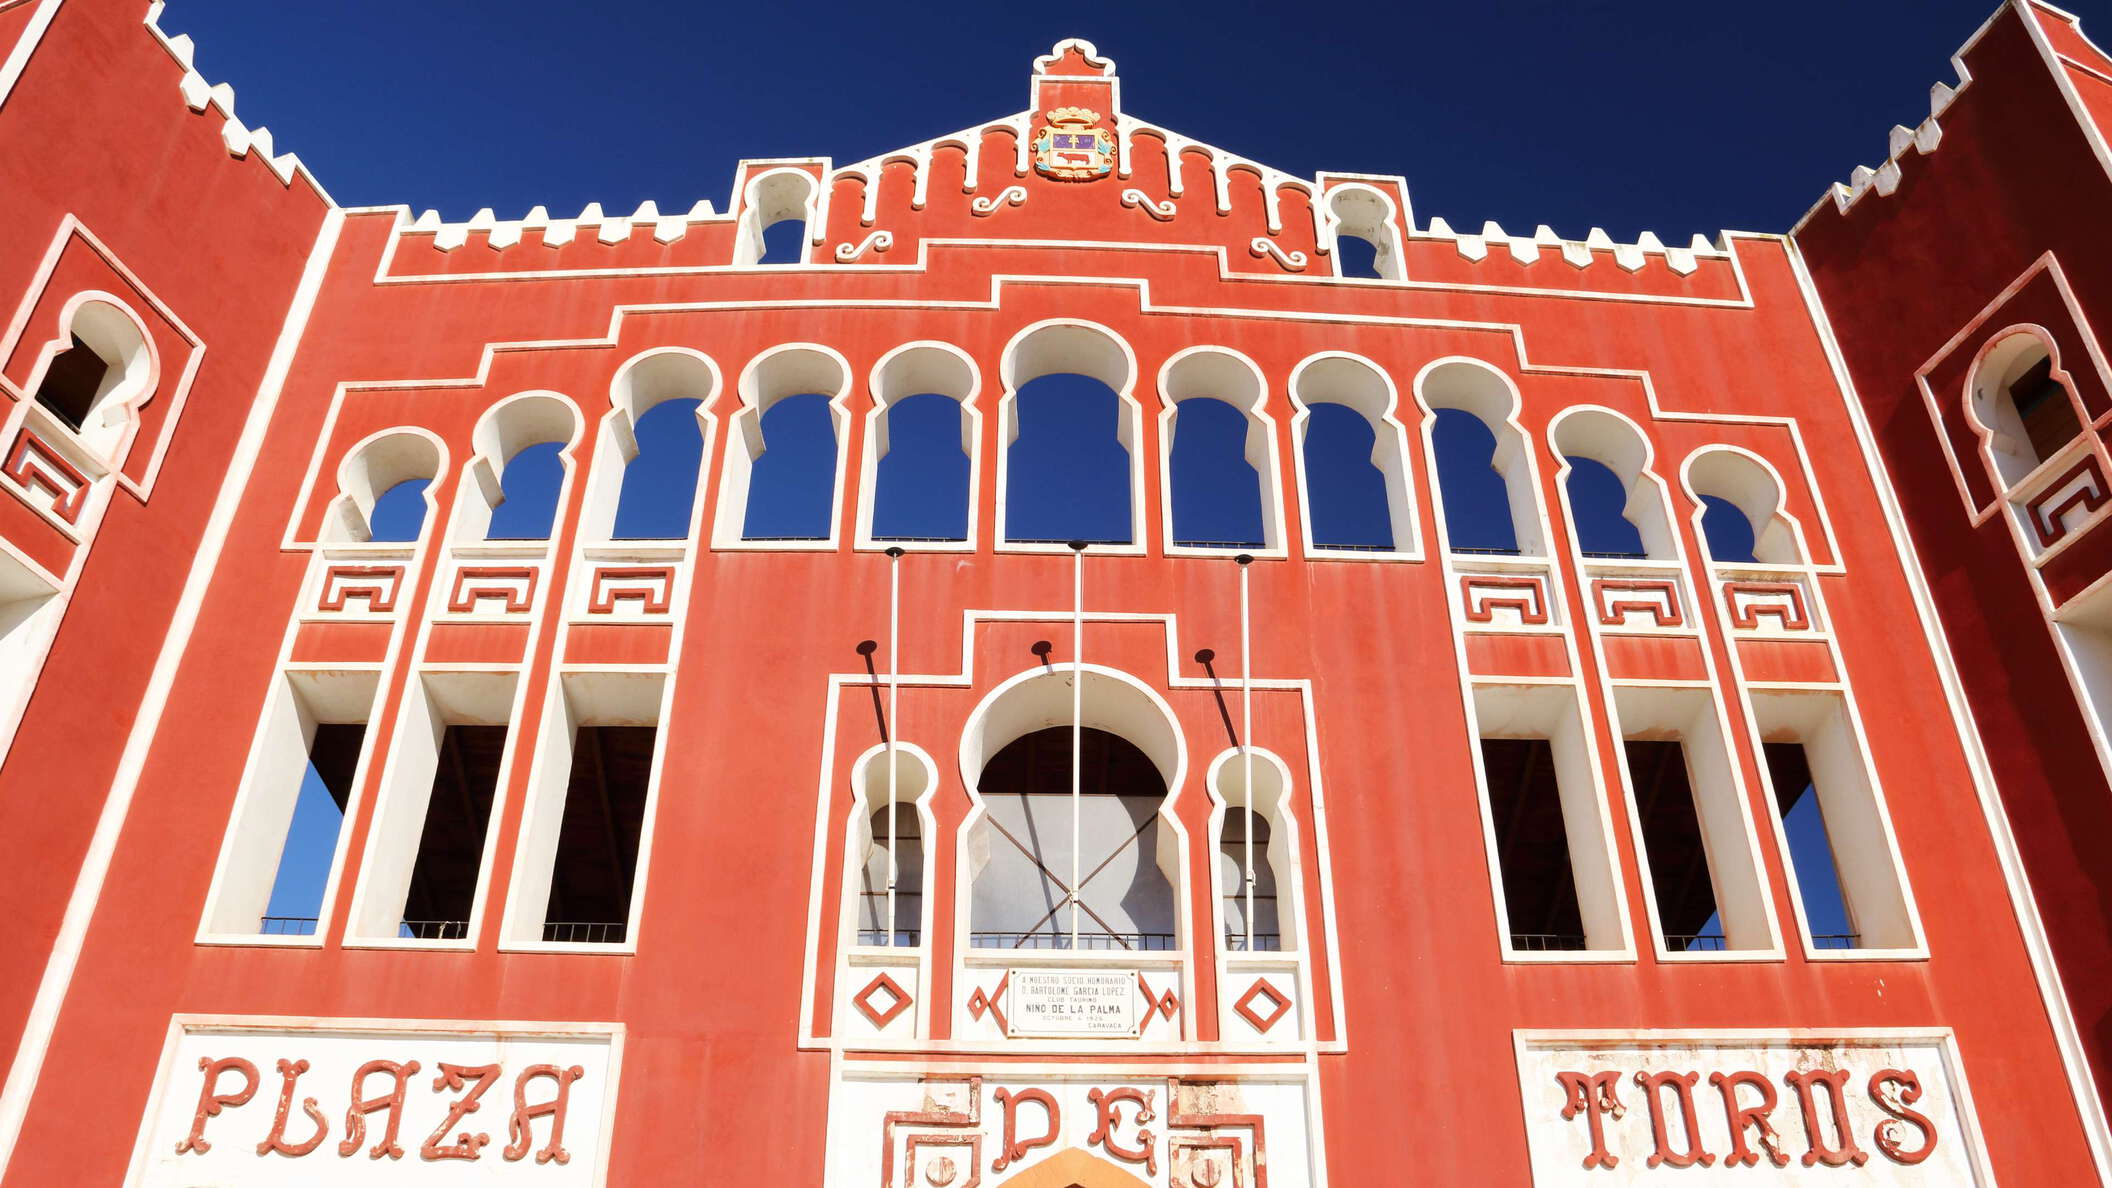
{"points": [[1074, 1168]]}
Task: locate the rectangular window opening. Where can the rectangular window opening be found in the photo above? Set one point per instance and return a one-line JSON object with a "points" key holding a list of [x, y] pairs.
{"points": [[1681, 881], [298, 885], [1532, 845], [597, 844], [1810, 848], [443, 887]]}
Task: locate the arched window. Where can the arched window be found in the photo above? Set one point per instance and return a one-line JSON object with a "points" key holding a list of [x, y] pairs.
{"points": [[1069, 465], [784, 459], [512, 488], [2029, 413], [103, 367], [1616, 506], [1741, 500], [1362, 230], [1484, 468], [1255, 844], [920, 447], [1220, 474], [384, 488], [776, 217], [649, 453], [1024, 895], [891, 882], [1352, 458]]}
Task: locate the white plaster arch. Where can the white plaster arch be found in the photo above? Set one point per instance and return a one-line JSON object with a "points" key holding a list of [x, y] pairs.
{"points": [[641, 384], [1755, 486], [1038, 698], [2005, 446], [119, 336], [1059, 346], [1273, 796], [1221, 373], [1615, 441], [1368, 213], [1357, 383], [376, 463], [771, 197], [917, 778], [1484, 391], [789, 369], [506, 428], [923, 367]]}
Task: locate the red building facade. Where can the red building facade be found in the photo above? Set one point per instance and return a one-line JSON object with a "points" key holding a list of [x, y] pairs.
{"points": [[871, 857]]}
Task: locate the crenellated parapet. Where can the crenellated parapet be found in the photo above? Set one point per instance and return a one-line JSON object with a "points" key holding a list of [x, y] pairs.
{"points": [[198, 94]]}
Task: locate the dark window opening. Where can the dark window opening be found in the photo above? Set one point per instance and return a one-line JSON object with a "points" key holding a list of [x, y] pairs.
{"points": [[1727, 530], [921, 490], [1267, 927], [659, 489], [597, 842], [1811, 851], [1598, 499], [1477, 501], [1356, 256], [310, 844], [399, 512], [443, 886], [783, 241], [1532, 845], [1216, 491], [1673, 843], [529, 487], [792, 487], [1345, 491], [2043, 405], [906, 863], [1022, 896], [1067, 471], [71, 382]]}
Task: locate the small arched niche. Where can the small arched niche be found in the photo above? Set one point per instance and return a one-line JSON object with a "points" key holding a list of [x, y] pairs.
{"points": [[1255, 833], [775, 198], [1616, 506], [888, 846], [1018, 858], [2019, 397], [649, 455], [1219, 472], [920, 471], [1736, 494], [1069, 470], [385, 487], [791, 501], [1483, 401], [97, 372], [1362, 213], [544, 422], [1352, 458]]}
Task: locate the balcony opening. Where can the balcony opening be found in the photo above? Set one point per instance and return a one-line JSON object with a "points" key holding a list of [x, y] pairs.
{"points": [[597, 845], [1674, 844], [1532, 845], [297, 887], [443, 886]]}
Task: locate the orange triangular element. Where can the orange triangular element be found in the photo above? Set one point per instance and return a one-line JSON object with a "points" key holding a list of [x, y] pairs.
{"points": [[1074, 1169]]}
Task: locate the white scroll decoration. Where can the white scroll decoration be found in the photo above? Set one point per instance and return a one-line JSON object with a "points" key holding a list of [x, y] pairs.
{"points": [[1290, 261], [878, 241], [1162, 211], [1009, 196]]}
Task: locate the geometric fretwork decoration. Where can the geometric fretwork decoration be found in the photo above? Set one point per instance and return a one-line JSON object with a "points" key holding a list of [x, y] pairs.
{"points": [[1278, 1004], [979, 1002], [897, 1001], [1165, 1004]]}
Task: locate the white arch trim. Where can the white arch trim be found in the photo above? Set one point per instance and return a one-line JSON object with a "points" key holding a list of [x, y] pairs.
{"points": [[1357, 383], [923, 367], [1221, 373], [788, 369], [1058, 346]]}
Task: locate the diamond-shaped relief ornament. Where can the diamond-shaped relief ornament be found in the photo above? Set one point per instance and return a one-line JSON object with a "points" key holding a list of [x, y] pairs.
{"points": [[896, 999]]}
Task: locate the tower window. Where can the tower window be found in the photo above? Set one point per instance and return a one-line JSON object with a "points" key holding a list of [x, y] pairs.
{"points": [[597, 844], [1532, 845], [1675, 846], [72, 382], [2043, 405], [443, 887]]}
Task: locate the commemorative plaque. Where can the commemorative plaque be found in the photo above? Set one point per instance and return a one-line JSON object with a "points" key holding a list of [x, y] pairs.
{"points": [[1073, 1002]]}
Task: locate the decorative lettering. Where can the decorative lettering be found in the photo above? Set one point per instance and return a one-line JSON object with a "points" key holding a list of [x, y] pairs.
{"points": [[392, 1101], [520, 1129], [466, 1145], [1594, 1096], [290, 1072], [1816, 1149], [1753, 1116], [1893, 1090], [1109, 1102], [1015, 1147], [1682, 1086], [211, 1101]]}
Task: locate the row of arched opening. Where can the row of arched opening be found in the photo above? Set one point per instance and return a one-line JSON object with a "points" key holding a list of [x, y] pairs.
{"points": [[1067, 465]]}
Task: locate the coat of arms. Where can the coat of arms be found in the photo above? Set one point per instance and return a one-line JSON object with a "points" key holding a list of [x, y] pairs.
{"points": [[1073, 148]]}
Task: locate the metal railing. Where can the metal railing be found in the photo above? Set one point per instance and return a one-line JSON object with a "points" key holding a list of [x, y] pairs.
{"points": [[1548, 942], [432, 929], [1696, 942], [1487, 550], [901, 938], [1614, 555], [921, 539], [286, 926], [1264, 942], [581, 932], [1346, 547], [767, 539], [1064, 540], [1837, 940], [1219, 544], [1098, 941]]}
